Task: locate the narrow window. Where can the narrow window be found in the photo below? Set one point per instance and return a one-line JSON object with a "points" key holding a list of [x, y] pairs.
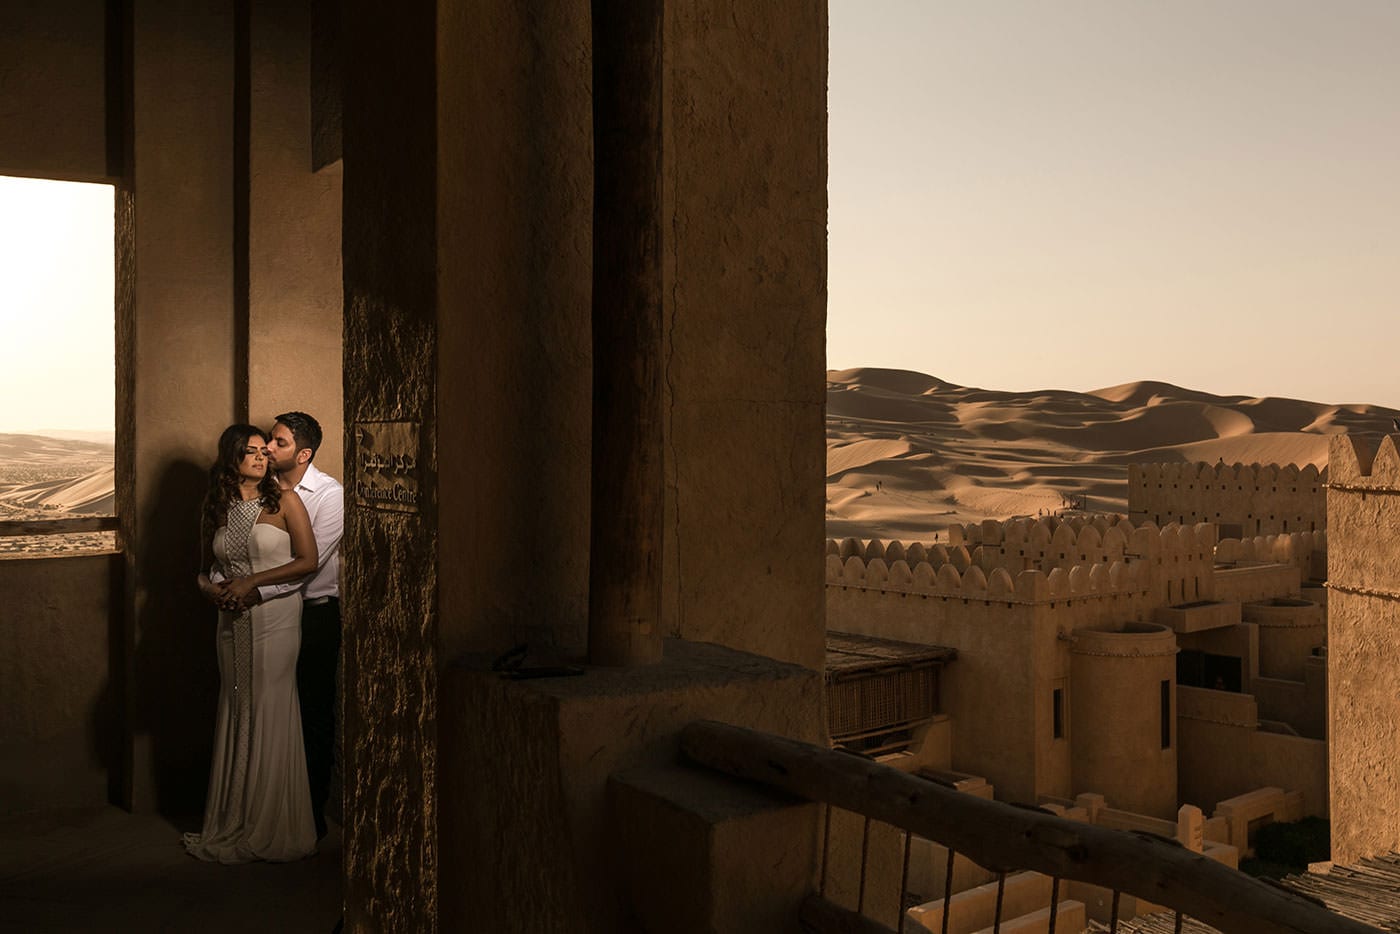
{"points": [[1059, 713], [1166, 714]]}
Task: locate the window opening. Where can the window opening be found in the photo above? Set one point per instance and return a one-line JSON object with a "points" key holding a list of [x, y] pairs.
{"points": [[57, 441]]}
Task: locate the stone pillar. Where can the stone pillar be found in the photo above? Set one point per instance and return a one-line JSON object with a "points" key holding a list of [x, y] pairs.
{"points": [[390, 558], [624, 602], [1363, 656], [1190, 827]]}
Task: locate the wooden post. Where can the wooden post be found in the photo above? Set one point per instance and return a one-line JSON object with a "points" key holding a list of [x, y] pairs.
{"points": [[624, 603]]}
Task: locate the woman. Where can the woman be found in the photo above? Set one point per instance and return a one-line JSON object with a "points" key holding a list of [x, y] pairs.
{"points": [[259, 804]]}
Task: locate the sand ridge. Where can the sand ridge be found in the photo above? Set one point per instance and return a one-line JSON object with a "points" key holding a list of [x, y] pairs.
{"points": [[909, 453]]}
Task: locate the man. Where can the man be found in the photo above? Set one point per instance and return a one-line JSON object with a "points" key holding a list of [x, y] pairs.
{"points": [[295, 439]]}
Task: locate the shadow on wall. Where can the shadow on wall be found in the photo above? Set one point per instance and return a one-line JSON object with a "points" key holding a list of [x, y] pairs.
{"points": [[106, 727], [175, 674]]}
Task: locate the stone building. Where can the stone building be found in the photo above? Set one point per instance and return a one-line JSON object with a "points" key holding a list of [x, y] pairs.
{"points": [[1363, 611], [1153, 666], [384, 216], [1240, 499]]}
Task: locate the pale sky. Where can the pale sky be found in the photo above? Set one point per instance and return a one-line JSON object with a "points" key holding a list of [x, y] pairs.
{"points": [[57, 343], [1081, 193], [1024, 195]]}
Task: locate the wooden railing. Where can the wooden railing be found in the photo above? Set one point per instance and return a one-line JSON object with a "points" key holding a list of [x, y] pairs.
{"points": [[1005, 838]]}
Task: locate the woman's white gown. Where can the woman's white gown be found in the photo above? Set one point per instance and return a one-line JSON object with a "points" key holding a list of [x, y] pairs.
{"points": [[259, 803]]}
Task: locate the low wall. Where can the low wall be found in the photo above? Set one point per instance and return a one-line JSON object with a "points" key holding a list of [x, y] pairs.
{"points": [[1300, 704], [1223, 754], [59, 723], [1259, 582]]}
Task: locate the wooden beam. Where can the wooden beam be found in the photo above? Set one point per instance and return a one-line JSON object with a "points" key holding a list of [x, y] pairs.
{"points": [[1004, 837], [11, 527], [628, 493]]}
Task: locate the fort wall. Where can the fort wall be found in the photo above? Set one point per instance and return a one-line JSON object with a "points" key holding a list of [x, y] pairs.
{"points": [[1363, 615], [948, 599], [1260, 499]]}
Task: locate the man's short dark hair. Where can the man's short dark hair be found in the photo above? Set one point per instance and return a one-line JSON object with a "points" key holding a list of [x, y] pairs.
{"points": [[306, 431]]}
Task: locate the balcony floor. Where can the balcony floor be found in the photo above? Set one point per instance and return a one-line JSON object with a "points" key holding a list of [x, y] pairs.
{"points": [[107, 870]]}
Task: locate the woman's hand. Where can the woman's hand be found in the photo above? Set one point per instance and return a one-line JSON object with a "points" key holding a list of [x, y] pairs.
{"points": [[236, 591]]}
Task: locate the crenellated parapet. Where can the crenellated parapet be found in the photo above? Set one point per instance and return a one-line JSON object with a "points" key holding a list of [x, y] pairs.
{"points": [[1032, 560], [951, 572], [1364, 461], [1256, 498], [1306, 550]]}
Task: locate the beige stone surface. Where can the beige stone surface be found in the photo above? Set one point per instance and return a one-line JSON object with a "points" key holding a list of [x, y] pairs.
{"points": [[529, 844], [182, 391], [745, 189], [53, 90], [1363, 614], [294, 270], [1262, 499], [701, 853], [1116, 705], [869, 885], [1023, 893], [513, 357], [1289, 630], [1224, 753], [59, 705]]}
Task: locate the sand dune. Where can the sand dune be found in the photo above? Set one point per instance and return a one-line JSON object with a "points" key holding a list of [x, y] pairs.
{"points": [[50, 477], [91, 494], [909, 453]]}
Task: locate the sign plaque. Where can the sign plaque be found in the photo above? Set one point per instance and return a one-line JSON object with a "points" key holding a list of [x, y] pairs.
{"points": [[386, 466]]}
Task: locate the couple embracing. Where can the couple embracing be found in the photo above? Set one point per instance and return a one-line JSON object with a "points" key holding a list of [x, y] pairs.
{"points": [[271, 536]]}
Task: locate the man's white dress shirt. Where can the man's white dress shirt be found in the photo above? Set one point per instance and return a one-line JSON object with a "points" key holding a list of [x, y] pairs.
{"points": [[324, 498]]}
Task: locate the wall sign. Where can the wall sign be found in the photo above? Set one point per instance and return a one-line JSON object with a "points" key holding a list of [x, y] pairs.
{"points": [[386, 465]]}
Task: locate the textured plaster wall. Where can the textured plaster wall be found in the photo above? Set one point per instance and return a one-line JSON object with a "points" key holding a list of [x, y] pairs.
{"points": [[991, 692], [183, 358], [533, 846], [59, 707], [1260, 582], [514, 350], [53, 89], [59, 710], [745, 190], [1116, 702], [1263, 499], [1287, 636], [294, 271], [390, 567], [1224, 754], [1363, 614]]}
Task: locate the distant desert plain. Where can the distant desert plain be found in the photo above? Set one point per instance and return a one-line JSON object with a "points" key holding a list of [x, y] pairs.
{"points": [[43, 477], [908, 454]]}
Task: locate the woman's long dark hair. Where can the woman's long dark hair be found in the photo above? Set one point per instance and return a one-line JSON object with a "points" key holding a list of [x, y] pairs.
{"points": [[224, 478]]}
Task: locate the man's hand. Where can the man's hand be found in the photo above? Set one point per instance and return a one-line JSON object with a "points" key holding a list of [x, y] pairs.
{"points": [[251, 599]]}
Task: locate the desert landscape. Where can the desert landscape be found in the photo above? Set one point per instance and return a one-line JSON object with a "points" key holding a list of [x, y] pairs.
{"points": [[908, 454], [45, 477]]}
